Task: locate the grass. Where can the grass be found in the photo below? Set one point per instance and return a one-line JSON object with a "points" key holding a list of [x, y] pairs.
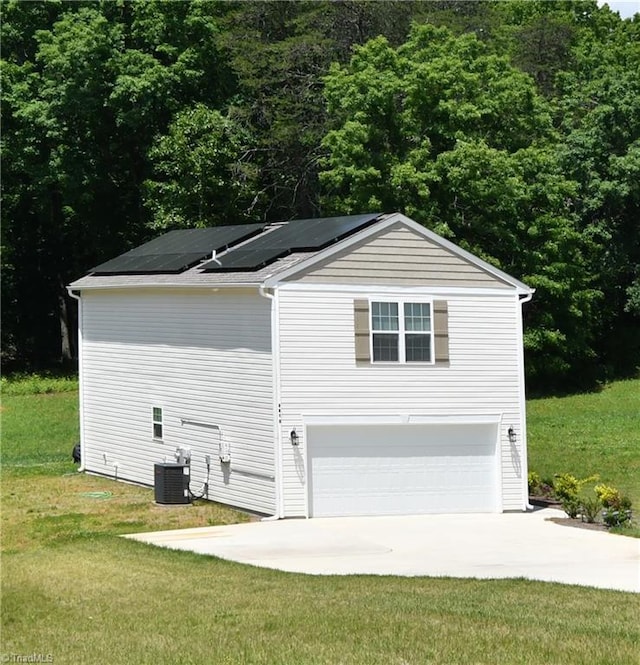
{"points": [[39, 430], [586, 434], [36, 384], [145, 605], [73, 589]]}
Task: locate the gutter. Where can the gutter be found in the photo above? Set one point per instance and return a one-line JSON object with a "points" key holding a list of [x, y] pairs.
{"points": [[76, 296], [163, 285], [275, 353]]}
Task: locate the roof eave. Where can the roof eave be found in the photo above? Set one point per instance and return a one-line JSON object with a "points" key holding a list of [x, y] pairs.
{"points": [[77, 286]]}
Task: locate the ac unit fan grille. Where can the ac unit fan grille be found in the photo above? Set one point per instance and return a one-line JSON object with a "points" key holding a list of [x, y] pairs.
{"points": [[171, 483]]}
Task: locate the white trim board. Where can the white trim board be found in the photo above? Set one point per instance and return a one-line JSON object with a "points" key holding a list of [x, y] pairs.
{"points": [[405, 419]]}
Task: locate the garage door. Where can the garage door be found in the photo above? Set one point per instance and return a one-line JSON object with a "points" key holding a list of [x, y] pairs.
{"points": [[402, 469]]}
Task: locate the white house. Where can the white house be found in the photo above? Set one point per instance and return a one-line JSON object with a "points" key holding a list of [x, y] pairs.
{"points": [[347, 366]]}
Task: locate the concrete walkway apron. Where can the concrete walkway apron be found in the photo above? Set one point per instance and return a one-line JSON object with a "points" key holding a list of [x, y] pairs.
{"points": [[510, 545]]}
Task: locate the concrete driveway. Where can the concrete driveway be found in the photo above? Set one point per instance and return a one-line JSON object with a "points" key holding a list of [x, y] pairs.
{"points": [[507, 545]]}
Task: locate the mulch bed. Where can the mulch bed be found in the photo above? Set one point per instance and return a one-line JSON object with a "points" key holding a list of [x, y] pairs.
{"points": [[568, 521], [543, 502]]}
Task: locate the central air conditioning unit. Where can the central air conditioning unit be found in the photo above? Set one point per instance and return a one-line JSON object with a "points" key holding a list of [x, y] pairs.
{"points": [[171, 483]]}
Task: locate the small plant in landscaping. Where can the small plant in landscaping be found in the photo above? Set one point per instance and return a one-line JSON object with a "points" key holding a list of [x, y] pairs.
{"points": [[589, 509], [534, 481], [540, 487], [567, 488], [570, 492], [571, 506], [608, 495], [617, 508]]}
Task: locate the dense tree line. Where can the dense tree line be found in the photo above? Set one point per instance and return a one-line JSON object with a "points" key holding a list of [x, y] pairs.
{"points": [[511, 128]]}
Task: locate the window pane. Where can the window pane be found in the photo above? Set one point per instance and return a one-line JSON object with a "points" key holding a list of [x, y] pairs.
{"points": [[418, 348], [385, 348], [157, 414], [384, 316], [157, 431], [417, 317]]}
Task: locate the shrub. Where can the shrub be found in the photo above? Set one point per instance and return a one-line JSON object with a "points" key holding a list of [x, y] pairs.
{"points": [[608, 495], [542, 487], [589, 508], [612, 517], [617, 508], [534, 482], [571, 506], [567, 488]]}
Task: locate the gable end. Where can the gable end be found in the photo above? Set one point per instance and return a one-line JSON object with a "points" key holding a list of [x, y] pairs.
{"points": [[399, 256]]}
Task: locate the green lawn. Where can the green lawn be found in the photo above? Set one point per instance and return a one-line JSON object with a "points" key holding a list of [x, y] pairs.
{"points": [[587, 434], [73, 589]]}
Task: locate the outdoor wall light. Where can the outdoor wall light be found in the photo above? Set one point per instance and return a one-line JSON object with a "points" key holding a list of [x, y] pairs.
{"points": [[293, 435], [512, 434]]}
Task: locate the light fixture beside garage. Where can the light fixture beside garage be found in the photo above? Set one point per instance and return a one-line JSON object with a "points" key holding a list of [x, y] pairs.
{"points": [[512, 434], [293, 436]]}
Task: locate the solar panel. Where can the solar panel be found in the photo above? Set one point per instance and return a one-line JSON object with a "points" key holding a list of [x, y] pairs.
{"points": [[313, 234], [246, 259], [177, 251], [296, 236]]}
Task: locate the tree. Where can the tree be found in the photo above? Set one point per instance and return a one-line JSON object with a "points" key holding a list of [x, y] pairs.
{"points": [[202, 173], [460, 140], [84, 96], [279, 52], [598, 113]]}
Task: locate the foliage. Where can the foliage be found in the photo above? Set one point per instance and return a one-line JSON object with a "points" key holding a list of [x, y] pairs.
{"points": [[617, 508], [609, 496], [511, 128], [589, 508], [567, 486], [534, 482], [567, 489], [201, 176], [37, 384], [571, 506], [618, 517], [459, 139], [79, 119]]}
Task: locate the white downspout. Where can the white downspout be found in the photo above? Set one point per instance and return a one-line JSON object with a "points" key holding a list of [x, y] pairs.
{"points": [[76, 296], [275, 355], [523, 405]]}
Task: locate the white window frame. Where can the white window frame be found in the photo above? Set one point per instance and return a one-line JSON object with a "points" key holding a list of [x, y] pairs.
{"points": [[402, 332], [157, 422]]}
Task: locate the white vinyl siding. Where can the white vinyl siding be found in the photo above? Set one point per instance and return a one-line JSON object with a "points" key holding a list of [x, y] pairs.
{"points": [[481, 378], [205, 359]]}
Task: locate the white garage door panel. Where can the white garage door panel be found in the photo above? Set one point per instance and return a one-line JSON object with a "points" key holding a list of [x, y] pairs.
{"points": [[402, 469]]}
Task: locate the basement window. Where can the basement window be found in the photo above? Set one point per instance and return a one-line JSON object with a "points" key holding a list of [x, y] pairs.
{"points": [[157, 422]]}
